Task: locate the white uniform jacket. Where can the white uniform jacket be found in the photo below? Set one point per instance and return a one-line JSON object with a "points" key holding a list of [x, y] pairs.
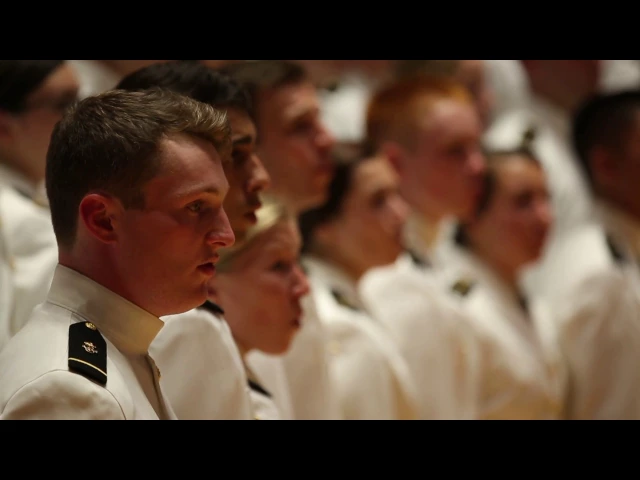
{"points": [[82, 355], [372, 380], [202, 371], [523, 371]]}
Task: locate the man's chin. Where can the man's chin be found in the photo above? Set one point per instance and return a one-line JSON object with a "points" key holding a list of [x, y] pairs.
{"points": [[313, 201]]}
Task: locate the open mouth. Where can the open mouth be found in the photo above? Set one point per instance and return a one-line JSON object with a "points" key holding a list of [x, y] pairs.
{"points": [[207, 268]]}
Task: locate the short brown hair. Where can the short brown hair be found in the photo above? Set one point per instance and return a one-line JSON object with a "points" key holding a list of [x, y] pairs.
{"points": [[111, 142], [258, 76], [394, 110]]}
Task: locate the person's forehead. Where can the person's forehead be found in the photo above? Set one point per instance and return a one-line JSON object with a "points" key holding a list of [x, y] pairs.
{"points": [[183, 151], [291, 100], [517, 170], [444, 113], [186, 172]]}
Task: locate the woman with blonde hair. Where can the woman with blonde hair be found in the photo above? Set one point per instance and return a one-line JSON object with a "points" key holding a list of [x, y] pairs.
{"points": [[259, 284]]}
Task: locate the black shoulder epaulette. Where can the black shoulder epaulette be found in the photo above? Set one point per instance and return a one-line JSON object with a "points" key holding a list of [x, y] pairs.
{"points": [[417, 260], [88, 352], [256, 387], [615, 251], [342, 300], [462, 287], [212, 307], [523, 303]]}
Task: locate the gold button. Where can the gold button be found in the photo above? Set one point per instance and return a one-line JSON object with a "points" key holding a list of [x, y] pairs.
{"points": [[90, 325]]}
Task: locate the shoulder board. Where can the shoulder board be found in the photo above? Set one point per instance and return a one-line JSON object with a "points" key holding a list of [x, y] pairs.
{"points": [[88, 352], [523, 303], [342, 300], [256, 387], [462, 287], [212, 307], [417, 260], [616, 252]]}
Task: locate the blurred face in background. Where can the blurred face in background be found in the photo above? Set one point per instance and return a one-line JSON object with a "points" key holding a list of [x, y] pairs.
{"points": [[442, 172], [367, 231], [246, 174], [24, 136], [294, 144], [513, 226]]}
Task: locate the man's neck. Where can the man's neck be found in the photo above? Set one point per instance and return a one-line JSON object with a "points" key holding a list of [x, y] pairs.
{"points": [[424, 228], [342, 263], [98, 270]]}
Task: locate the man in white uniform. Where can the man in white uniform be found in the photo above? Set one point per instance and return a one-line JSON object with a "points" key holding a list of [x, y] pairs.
{"points": [[594, 282], [219, 390], [557, 87], [33, 95], [430, 130], [135, 182], [295, 147]]}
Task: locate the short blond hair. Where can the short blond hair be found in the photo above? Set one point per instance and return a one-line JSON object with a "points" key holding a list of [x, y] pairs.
{"points": [[272, 212]]}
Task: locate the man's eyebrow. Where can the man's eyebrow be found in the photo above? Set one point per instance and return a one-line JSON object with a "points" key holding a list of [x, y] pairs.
{"points": [[196, 191], [301, 111], [244, 140]]}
